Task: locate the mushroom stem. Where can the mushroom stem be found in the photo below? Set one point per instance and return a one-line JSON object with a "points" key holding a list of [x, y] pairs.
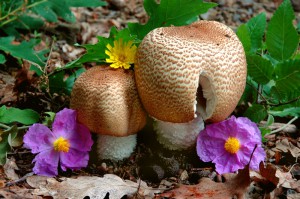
{"points": [[178, 136], [115, 148]]}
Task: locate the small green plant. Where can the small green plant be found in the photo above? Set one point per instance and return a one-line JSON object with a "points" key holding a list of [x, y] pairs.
{"points": [[17, 17], [273, 83]]}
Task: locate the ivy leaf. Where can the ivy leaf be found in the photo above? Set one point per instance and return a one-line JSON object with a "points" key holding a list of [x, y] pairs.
{"points": [[287, 77], [169, 12], [24, 50], [256, 27], [259, 69], [10, 115], [256, 113], [244, 36], [282, 37]]}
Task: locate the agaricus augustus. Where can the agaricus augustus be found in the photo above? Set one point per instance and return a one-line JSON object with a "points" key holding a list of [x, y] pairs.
{"points": [[188, 74], [108, 104]]}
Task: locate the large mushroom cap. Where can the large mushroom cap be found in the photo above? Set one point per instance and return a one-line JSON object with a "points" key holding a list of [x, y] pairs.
{"points": [[180, 69], [107, 101]]}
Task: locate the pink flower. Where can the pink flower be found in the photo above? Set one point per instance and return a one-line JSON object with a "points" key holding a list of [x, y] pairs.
{"points": [[230, 143], [67, 144]]}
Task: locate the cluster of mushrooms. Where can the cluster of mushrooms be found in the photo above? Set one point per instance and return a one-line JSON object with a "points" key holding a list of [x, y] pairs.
{"points": [[183, 76]]}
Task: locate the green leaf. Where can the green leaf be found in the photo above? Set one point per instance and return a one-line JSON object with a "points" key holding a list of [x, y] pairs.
{"points": [[264, 131], [256, 113], [71, 79], [282, 37], [45, 11], [15, 139], [2, 59], [169, 12], [270, 120], [24, 50], [259, 69], [287, 77], [293, 111], [85, 3], [244, 36], [4, 148], [96, 52], [256, 27], [10, 115]]}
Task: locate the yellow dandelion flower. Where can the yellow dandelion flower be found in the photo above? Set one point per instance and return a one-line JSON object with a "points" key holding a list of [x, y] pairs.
{"points": [[121, 55]]}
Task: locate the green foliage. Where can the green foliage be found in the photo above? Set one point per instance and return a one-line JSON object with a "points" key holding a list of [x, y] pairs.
{"points": [[96, 52], [282, 38], [273, 65], [169, 12], [24, 50], [10, 134], [10, 115]]}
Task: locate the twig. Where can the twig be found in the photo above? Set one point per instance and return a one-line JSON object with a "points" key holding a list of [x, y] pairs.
{"points": [[19, 180], [284, 126]]}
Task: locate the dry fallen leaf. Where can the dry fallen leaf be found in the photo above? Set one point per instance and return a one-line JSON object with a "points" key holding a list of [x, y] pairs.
{"points": [[90, 186], [234, 187], [9, 169]]}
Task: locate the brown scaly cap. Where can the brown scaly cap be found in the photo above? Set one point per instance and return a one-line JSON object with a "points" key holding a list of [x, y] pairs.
{"points": [[107, 101], [179, 69]]}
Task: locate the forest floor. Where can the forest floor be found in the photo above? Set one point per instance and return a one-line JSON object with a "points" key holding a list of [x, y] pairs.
{"points": [[159, 169]]}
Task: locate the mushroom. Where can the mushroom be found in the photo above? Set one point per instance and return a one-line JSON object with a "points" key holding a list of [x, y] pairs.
{"points": [[188, 74], [108, 104]]}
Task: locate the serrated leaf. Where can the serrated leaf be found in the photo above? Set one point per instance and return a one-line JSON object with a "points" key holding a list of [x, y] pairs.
{"points": [[25, 50], [259, 69], [292, 111], [282, 38], [256, 27], [2, 59], [61, 8], [287, 78], [25, 116], [256, 113], [244, 36], [169, 12]]}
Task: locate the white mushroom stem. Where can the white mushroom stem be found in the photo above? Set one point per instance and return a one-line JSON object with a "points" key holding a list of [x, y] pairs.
{"points": [[115, 148], [178, 136]]}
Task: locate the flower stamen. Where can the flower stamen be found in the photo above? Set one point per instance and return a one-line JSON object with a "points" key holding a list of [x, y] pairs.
{"points": [[232, 145], [61, 144]]}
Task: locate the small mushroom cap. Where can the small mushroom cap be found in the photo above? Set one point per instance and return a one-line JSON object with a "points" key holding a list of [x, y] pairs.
{"points": [[196, 68], [107, 101]]}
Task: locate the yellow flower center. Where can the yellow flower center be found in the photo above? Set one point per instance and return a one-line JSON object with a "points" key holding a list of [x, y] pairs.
{"points": [[121, 55], [232, 145], [61, 144]]}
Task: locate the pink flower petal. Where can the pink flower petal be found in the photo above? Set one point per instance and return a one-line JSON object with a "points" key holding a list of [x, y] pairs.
{"points": [[46, 163], [73, 159], [64, 122], [81, 140], [38, 138], [210, 144]]}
